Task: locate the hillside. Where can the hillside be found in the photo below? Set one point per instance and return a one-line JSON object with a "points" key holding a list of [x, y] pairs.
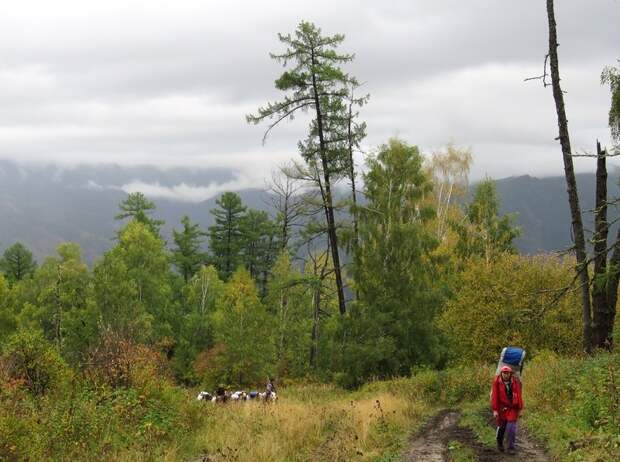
{"points": [[43, 206], [542, 208]]}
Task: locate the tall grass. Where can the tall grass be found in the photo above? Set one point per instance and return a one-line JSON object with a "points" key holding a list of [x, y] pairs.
{"points": [[312, 423], [574, 405]]}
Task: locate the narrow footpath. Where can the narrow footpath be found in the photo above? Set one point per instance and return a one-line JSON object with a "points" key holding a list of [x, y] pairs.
{"points": [[431, 443]]}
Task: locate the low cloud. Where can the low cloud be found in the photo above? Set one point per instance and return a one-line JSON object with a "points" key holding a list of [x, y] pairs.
{"points": [[187, 192], [168, 84], [93, 186]]}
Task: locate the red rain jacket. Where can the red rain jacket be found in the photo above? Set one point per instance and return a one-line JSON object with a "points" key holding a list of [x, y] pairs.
{"points": [[508, 411]]}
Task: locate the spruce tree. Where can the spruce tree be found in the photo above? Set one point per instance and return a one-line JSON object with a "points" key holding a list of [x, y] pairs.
{"points": [[260, 246], [17, 262], [226, 235], [187, 256]]}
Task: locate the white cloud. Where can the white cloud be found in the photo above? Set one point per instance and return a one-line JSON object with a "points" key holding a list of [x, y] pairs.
{"points": [[185, 192], [94, 186], [168, 83]]}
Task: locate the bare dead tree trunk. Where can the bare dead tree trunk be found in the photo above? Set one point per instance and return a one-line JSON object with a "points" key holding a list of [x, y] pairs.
{"points": [[314, 347], [289, 200], [601, 230], [606, 277], [571, 183], [58, 317], [351, 145], [613, 279], [320, 271]]}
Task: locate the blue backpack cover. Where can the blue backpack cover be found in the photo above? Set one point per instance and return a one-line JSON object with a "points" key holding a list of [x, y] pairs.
{"points": [[513, 357]]}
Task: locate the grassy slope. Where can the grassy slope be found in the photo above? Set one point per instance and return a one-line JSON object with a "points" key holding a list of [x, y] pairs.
{"points": [[320, 422], [573, 405], [313, 423]]}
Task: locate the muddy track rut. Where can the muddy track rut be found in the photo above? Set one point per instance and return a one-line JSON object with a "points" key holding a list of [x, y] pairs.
{"points": [[431, 443]]}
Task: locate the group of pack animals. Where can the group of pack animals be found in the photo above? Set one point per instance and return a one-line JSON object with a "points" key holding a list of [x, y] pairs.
{"points": [[237, 396]]}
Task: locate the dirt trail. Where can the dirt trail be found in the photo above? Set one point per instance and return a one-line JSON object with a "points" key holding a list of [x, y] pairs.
{"points": [[431, 444]]}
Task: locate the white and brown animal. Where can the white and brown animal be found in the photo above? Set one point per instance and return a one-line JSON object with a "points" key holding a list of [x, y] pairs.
{"points": [[271, 397], [205, 396], [239, 395]]}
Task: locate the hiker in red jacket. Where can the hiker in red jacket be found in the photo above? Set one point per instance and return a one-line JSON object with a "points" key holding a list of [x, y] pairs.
{"points": [[506, 403]]}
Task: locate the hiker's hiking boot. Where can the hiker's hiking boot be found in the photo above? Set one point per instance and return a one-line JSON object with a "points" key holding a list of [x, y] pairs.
{"points": [[500, 446], [512, 451]]}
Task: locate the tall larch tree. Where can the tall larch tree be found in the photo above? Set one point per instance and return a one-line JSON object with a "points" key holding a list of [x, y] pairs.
{"points": [[316, 82], [137, 207]]}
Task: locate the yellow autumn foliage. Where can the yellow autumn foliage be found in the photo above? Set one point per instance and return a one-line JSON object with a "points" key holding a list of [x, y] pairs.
{"points": [[514, 300]]}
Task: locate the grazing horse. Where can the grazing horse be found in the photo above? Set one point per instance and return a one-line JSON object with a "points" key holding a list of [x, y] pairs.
{"points": [[271, 397], [204, 396], [239, 396]]}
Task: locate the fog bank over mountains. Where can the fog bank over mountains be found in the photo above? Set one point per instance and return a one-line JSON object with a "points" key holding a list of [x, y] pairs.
{"points": [[43, 206]]}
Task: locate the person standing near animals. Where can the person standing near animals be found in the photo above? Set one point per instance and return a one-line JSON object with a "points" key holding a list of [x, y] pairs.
{"points": [[507, 404], [270, 388]]}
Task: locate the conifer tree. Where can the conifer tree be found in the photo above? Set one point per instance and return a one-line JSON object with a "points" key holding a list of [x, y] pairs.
{"points": [[147, 268], [17, 262], [116, 297], [137, 207], [484, 233], [316, 82], [260, 246], [188, 256], [64, 297], [226, 235], [391, 325]]}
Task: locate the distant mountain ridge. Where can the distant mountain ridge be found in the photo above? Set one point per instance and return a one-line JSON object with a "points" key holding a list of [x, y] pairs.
{"points": [[43, 206], [541, 205]]}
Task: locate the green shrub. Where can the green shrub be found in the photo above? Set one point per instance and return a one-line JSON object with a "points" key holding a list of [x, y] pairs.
{"points": [[31, 361], [512, 301], [574, 404], [450, 387]]}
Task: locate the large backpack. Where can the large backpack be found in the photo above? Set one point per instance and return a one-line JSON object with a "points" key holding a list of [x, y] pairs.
{"points": [[512, 357]]}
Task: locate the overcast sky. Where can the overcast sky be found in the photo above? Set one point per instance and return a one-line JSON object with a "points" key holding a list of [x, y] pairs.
{"points": [[168, 83]]}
